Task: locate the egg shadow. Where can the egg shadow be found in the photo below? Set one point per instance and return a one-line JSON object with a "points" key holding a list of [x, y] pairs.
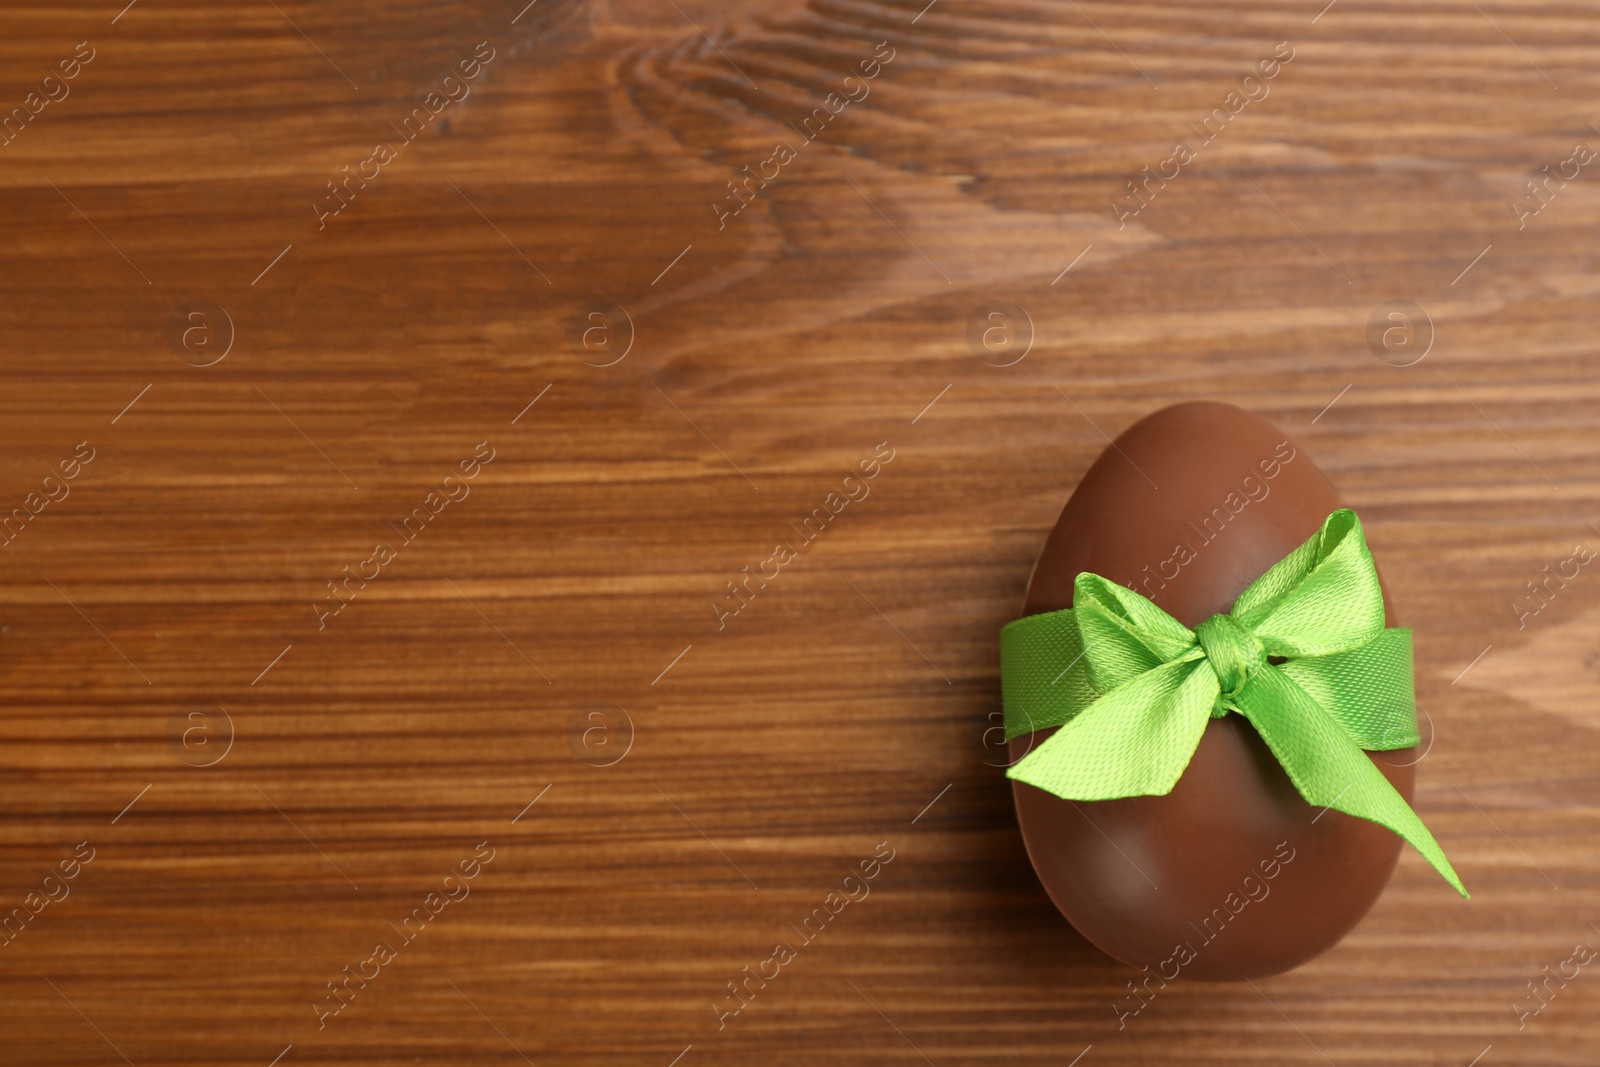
{"points": [[1022, 926]]}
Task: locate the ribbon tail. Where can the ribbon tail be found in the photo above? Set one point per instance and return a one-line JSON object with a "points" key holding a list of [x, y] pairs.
{"points": [[1134, 741], [1327, 767]]}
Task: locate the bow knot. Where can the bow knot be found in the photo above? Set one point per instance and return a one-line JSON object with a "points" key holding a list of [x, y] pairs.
{"points": [[1234, 652], [1303, 655]]}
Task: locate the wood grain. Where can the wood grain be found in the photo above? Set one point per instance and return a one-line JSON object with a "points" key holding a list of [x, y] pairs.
{"points": [[563, 610]]}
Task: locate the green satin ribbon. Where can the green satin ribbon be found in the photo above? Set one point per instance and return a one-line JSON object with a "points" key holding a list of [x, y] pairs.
{"points": [[1303, 655]]}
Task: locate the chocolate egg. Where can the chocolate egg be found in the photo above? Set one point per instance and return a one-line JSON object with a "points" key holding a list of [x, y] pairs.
{"points": [[1233, 874]]}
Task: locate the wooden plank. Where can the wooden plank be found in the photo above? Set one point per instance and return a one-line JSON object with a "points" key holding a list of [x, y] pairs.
{"points": [[669, 374]]}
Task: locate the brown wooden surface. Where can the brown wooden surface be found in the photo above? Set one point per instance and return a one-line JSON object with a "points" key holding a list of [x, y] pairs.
{"points": [[855, 689]]}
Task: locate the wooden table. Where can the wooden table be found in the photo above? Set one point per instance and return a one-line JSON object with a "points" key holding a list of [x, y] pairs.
{"points": [[284, 298]]}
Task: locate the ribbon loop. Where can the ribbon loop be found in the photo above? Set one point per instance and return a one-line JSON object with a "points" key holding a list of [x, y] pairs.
{"points": [[1234, 652], [1303, 655]]}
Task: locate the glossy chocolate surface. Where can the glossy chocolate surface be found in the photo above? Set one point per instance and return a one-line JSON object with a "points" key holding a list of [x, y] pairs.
{"points": [[1233, 874]]}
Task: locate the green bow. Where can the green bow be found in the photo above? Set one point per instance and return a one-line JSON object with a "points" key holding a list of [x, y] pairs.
{"points": [[1303, 655]]}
